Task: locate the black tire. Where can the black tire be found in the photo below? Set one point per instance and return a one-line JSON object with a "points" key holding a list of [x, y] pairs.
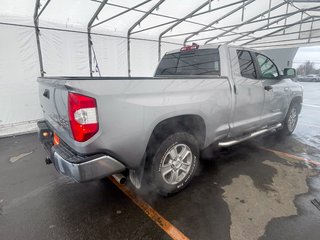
{"points": [[288, 126], [160, 161]]}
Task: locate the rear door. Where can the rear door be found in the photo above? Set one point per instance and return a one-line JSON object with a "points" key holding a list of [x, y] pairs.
{"points": [[249, 93], [275, 90]]}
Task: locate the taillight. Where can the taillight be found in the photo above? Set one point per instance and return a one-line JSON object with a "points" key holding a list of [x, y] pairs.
{"points": [[82, 116]]}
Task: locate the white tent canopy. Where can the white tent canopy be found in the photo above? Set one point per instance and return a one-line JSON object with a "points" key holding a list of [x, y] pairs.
{"points": [[128, 36]]}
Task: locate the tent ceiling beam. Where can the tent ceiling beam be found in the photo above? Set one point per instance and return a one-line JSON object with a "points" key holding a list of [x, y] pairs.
{"points": [[271, 23], [217, 20], [276, 35], [156, 6], [234, 26], [121, 13], [193, 14], [287, 44], [177, 23], [36, 18], [153, 14], [180, 20], [279, 30], [247, 21], [286, 40], [89, 26]]}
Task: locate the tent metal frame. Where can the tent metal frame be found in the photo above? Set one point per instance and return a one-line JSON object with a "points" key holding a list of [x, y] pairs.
{"points": [[89, 27], [278, 35], [279, 30], [218, 20], [36, 17], [173, 22], [157, 5]]}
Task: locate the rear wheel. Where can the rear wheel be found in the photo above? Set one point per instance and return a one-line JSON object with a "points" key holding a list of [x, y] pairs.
{"points": [[291, 120], [174, 163]]}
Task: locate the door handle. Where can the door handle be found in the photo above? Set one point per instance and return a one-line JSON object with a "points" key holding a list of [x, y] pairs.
{"points": [[267, 88]]}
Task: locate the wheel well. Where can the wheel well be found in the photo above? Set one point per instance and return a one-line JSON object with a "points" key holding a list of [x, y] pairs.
{"points": [[192, 124], [297, 100]]}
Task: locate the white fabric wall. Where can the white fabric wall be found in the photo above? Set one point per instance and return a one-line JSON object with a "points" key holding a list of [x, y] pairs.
{"points": [[64, 54], [283, 57], [18, 72]]}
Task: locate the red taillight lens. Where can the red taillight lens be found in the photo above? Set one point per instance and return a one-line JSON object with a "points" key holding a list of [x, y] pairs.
{"points": [[82, 116]]}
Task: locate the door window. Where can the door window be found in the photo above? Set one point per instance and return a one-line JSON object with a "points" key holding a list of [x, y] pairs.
{"points": [[247, 68], [267, 67]]}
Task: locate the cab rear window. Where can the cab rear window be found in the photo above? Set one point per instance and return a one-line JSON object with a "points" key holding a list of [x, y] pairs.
{"points": [[193, 62]]}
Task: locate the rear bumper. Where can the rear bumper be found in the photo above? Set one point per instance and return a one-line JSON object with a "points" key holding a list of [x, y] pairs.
{"points": [[93, 169], [80, 168]]}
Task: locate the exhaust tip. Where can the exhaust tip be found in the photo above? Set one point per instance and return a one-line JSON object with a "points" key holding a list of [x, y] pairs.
{"points": [[120, 178]]}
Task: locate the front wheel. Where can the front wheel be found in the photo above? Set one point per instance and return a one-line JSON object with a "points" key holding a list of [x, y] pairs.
{"points": [[174, 163], [291, 120]]}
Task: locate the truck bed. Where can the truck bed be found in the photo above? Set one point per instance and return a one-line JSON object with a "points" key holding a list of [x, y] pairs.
{"points": [[130, 108]]}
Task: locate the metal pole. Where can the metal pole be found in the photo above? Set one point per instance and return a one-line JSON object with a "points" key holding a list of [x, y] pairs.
{"points": [[226, 27], [185, 19], [270, 2], [282, 41], [191, 14], [245, 32], [217, 20], [268, 24], [279, 30], [287, 44], [133, 27], [245, 22], [177, 23], [300, 24], [311, 28], [121, 13], [285, 21], [102, 4], [43, 8], [174, 18], [36, 16], [242, 15]]}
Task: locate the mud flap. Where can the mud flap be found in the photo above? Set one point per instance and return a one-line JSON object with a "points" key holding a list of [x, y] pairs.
{"points": [[136, 175]]}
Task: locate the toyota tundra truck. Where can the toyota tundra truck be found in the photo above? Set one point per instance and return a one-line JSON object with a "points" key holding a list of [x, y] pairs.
{"points": [[155, 128]]}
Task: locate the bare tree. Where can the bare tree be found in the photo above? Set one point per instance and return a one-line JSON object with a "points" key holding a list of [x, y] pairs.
{"points": [[307, 68]]}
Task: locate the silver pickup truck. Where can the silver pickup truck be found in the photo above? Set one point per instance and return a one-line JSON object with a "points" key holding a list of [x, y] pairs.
{"points": [[155, 128]]}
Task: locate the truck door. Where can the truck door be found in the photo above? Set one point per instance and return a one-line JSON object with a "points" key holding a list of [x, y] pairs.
{"points": [[249, 93], [275, 90]]}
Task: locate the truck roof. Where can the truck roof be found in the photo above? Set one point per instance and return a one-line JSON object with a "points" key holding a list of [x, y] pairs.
{"points": [[200, 47], [215, 46]]}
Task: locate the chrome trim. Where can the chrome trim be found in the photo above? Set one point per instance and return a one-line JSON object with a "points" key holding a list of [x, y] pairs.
{"points": [[252, 135], [91, 170]]}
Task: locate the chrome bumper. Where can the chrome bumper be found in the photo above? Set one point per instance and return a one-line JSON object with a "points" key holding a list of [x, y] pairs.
{"points": [[79, 167], [96, 168]]}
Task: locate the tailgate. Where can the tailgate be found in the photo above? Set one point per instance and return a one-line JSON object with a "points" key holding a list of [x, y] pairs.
{"points": [[53, 97]]}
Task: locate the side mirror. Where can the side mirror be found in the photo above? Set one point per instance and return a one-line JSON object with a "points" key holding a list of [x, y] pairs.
{"points": [[290, 73]]}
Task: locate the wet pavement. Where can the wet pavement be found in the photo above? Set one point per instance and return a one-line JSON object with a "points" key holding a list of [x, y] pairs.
{"points": [[241, 193]]}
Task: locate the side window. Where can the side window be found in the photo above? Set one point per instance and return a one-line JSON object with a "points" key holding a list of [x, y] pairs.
{"points": [[267, 67], [247, 68]]}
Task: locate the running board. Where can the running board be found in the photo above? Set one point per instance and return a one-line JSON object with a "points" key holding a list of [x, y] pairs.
{"points": [[252, 135]]}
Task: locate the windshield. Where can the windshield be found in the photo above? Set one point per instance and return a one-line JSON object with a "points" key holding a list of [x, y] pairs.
{"points": [[193, 62]]}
